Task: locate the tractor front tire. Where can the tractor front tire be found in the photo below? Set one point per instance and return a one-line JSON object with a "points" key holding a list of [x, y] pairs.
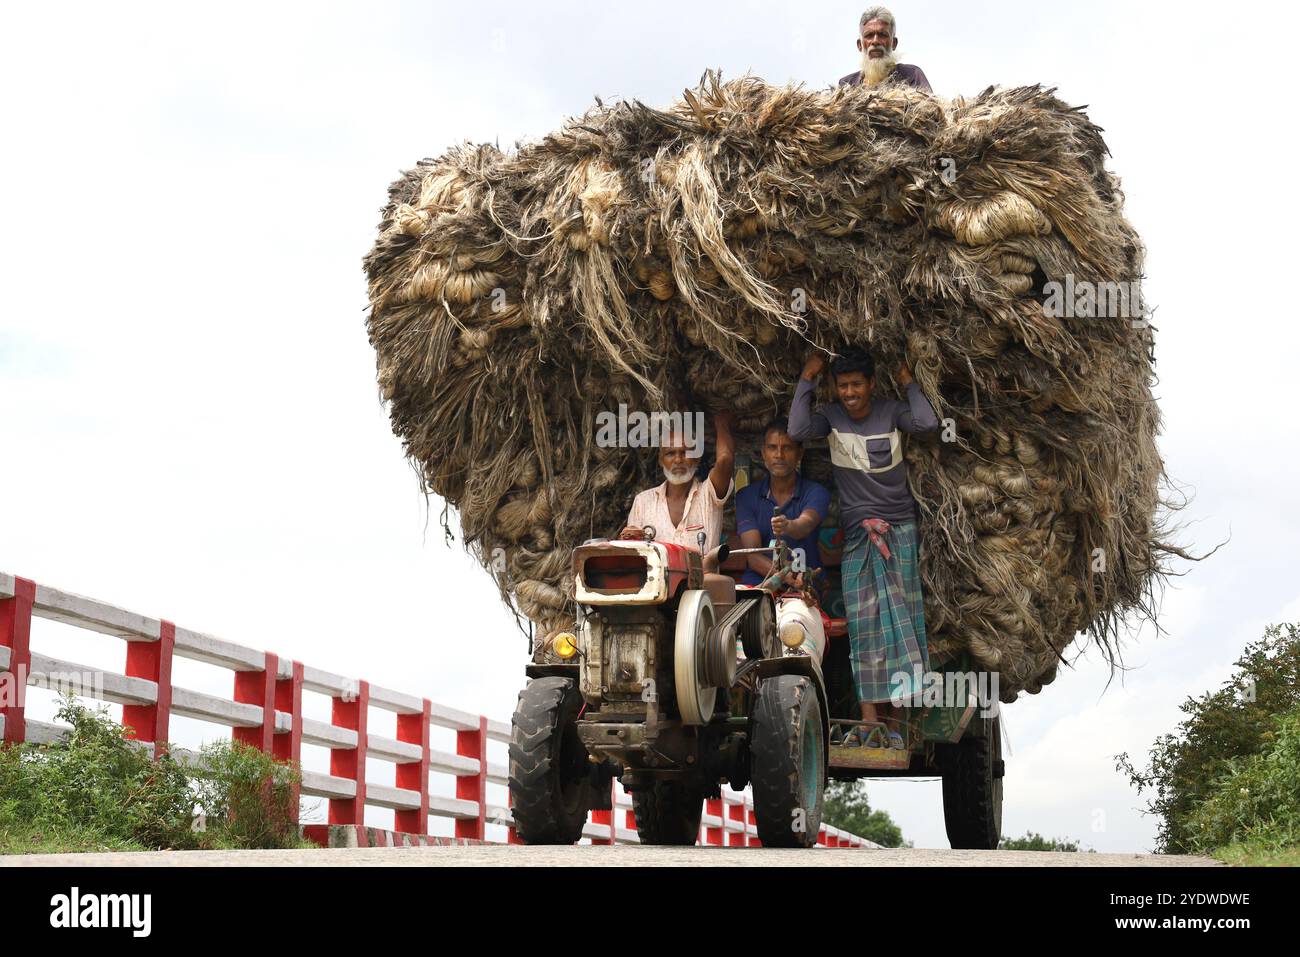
{"points": [[668, 813], [787, 762], [550, 782]]}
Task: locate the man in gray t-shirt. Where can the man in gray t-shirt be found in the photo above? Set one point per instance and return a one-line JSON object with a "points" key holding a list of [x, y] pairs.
{"points": [[882, 585], [865, 439]]}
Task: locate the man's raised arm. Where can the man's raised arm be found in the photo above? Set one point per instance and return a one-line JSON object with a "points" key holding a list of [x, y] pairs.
{"points": [[805, 423], [919, 415], [724, 454]]}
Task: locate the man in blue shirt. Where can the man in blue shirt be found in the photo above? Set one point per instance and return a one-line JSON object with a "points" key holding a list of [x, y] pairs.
{"points": [[791, 507], [802, 504]]}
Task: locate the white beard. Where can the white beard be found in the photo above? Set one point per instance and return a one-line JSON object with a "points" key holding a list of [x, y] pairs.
{"points": [[678, 478], [875, 72]]}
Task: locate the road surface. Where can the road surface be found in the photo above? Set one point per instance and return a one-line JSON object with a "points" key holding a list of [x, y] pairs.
{"points": [[623, 855]]}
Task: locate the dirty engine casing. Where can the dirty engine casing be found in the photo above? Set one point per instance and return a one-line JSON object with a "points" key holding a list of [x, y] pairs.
{"points": [[629, 591]]}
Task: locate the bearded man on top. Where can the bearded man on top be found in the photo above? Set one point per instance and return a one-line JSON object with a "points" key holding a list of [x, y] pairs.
{"points": [[877, 41]]}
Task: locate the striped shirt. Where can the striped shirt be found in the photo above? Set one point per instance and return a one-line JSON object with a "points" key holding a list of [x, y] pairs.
{"points": [[866, 453]]}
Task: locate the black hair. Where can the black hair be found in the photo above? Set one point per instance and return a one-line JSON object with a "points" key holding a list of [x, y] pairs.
{"points": [[854, 360], [779, 425]]}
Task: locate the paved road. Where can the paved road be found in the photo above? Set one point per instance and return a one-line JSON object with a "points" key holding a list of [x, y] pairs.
{"points": [[630, 855]]}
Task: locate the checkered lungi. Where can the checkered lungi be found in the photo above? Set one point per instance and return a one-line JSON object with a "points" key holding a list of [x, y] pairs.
{"points": [[886, 618]]}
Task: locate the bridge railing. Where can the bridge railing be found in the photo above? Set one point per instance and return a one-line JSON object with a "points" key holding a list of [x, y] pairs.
{"points": [[265, 710]]}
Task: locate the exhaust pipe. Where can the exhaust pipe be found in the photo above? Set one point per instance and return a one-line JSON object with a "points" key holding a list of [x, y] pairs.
{"points": [[716, 557]]}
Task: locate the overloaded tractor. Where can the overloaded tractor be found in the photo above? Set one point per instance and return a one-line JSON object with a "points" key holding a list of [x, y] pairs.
{"points": [[675, 679]]}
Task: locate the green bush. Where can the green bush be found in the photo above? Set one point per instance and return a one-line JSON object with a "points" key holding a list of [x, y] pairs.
{"points": [[1257, 802], [846, 806], [1236, 733], [98, 783], [1033, 841], [248, 799], [99, 790]]}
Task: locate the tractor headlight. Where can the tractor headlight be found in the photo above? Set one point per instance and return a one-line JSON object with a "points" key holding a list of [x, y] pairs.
{"points": [[565, 644]]}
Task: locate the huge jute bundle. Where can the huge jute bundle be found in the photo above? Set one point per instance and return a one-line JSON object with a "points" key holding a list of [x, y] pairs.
{"points": [[689, 258]]}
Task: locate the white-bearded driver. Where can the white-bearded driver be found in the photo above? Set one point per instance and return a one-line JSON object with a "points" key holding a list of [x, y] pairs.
{"points": [[683, 506]]}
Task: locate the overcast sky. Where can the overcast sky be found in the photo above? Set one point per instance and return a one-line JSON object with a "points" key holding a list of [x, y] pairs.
{"points": [[190, 423]]}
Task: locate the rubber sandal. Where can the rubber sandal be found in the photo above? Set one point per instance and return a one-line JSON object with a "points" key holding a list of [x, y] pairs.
{"points": [[896, 741], [859, 737]]}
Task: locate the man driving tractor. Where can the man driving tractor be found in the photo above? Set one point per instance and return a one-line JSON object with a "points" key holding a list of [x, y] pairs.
{"points": [[683, 506], [882, 585], [789, 506]]}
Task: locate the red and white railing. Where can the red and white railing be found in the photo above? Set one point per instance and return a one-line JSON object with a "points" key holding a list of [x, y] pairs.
{"points": [[265, 710]]}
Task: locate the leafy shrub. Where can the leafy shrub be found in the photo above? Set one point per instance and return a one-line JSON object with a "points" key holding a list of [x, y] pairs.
{"points": [[1033, 841], [846, 806], [99, 782], [99, 789], [248, 798], [1226, 734], [1258, 801]]}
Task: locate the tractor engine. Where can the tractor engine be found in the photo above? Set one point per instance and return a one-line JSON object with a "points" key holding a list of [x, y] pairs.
{"points": [[641, 643]]}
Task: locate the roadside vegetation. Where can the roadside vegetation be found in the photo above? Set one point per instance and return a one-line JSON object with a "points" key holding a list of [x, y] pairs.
{"points": [[100, 791], [1227, 782], [1033, 841], [846, 806]]}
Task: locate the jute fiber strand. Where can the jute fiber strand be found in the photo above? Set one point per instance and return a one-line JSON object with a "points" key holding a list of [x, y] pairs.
{"points": [[689, 258]]}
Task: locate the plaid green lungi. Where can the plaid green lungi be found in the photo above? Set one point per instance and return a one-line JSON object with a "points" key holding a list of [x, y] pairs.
{"points": [[886, 617]]}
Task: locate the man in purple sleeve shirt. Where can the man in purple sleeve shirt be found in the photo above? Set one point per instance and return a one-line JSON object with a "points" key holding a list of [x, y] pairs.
{"points": [[877, 41], [881, 578]]}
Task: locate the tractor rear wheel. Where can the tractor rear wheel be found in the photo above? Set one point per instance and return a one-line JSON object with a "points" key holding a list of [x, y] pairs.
{"points": [[668, 813], [787, 766], [550, 783], [972, 788]]}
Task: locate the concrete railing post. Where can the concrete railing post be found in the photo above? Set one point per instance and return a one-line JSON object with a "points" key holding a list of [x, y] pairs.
{"points": [[736, 813], [152, 660], [351, 711], [414, 775], [288, 746], [713, 835], [16, 635], [258, 687], [473, 787]]}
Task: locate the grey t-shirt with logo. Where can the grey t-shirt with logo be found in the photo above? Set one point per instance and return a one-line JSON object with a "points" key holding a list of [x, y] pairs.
{"points": [[867, 454]]}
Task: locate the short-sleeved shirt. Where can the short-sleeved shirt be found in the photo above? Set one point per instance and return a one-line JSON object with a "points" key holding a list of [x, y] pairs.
{"points": [[703, 513], [754, 504]]}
